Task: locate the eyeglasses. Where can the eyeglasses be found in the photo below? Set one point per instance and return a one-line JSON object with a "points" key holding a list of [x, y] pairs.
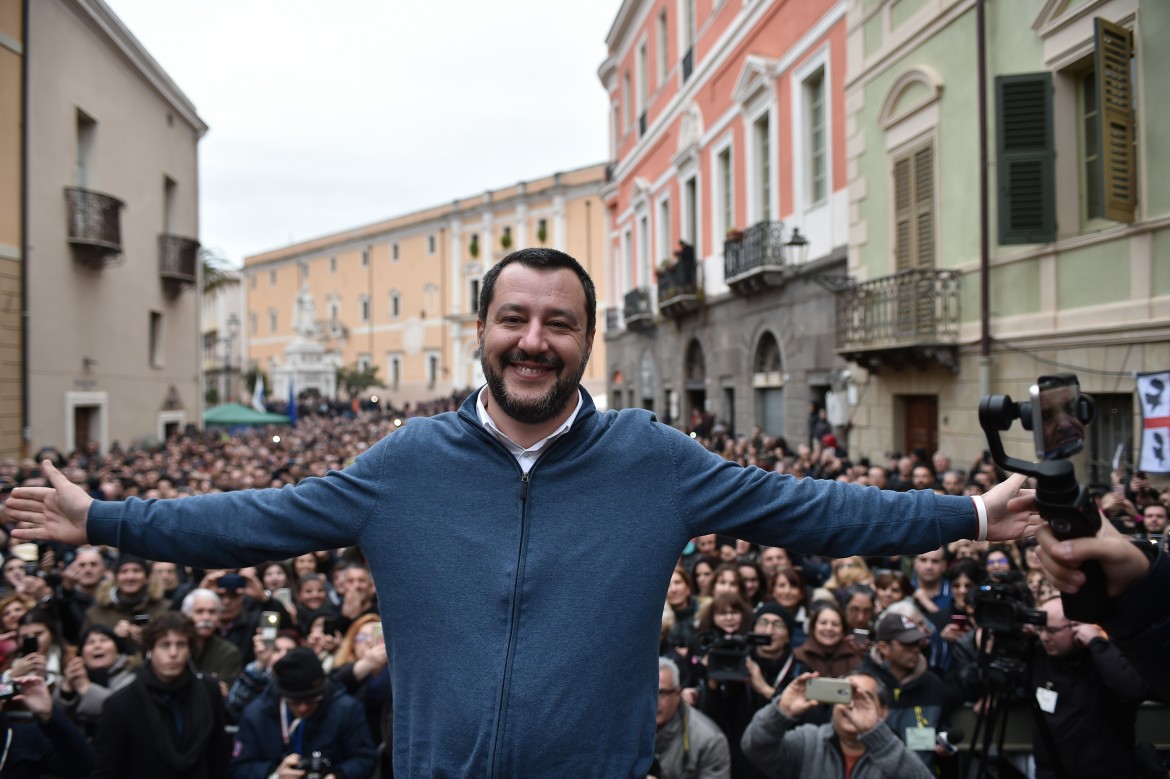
{"points": [[770, 624], [1054, 631], [666, 693]]}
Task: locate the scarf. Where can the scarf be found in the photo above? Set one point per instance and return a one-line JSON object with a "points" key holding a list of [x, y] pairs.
{"points": [[184, 717]]}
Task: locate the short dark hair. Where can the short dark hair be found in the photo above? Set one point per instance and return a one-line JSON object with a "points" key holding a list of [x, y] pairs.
{"points": [[164, 623], [882, 691], [540, 258]]}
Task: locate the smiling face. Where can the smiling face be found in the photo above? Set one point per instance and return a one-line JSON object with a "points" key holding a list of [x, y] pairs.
{"points": [[99, 651], [827, 629], [534, 344], [728, 619]]}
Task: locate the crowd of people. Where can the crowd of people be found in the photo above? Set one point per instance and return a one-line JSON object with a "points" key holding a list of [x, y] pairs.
{"points": [[281, 669]]}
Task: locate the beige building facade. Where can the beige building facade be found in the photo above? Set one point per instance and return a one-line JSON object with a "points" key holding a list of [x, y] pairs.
{"points": [[111, 206], [402, 294]]}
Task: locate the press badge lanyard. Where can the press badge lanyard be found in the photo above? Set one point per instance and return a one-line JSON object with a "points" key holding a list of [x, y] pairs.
{"points": [[287, 727]]}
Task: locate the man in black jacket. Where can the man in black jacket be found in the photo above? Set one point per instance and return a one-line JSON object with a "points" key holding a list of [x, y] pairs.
{"points": [[1087, 696]]}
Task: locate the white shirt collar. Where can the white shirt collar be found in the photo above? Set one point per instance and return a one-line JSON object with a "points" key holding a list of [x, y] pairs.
{"points": [[525, 457]]}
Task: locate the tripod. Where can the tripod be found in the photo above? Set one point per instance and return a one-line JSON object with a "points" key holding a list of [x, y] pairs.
{"points": [[1001, 677]]}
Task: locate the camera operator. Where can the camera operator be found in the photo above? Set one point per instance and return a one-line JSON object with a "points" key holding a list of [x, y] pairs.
{"points": [[1087, 695], [49, 746], [300, 724], [857, 743], [686, 742], [1137, 577], [920, 707]]}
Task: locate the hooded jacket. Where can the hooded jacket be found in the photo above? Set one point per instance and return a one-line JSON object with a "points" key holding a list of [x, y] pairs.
{"points": [[503, 670], [919, 700], [108, 610]]}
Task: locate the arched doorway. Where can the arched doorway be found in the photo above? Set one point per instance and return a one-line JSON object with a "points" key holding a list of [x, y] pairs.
{"points": [[768, 383]]}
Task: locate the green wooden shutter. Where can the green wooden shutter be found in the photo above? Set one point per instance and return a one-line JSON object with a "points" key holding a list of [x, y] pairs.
{"points": [[1027, 185], [1115, 158], [903, 215]]}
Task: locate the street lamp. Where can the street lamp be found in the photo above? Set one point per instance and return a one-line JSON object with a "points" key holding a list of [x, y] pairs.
{"points": [[796, 249], [233, 332]]}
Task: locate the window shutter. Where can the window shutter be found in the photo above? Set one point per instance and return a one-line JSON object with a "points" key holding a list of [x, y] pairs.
{"points": [[1115, 159], [903, 215], [1027, 187], [924, 207]]}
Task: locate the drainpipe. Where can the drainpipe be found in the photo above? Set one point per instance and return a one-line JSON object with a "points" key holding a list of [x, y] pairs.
{"points": [[25, 429], [984, 246]]}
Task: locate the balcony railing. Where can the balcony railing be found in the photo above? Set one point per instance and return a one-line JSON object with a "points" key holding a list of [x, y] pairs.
{"points": [[95, 226], [756, 258], [688, 63], [638, 310], [178, 260], [909, 318], [678, 291]]}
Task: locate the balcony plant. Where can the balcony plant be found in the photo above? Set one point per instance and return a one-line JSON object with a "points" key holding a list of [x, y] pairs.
{"points": [[473, 247], [542, 232], [506, 241]]}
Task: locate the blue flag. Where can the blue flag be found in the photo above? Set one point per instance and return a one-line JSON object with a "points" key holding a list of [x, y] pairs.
{"points": [[291, 412]]}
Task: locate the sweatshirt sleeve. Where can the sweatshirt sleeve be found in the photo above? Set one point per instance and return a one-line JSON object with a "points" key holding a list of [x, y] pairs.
{"points": [[775, 745]]}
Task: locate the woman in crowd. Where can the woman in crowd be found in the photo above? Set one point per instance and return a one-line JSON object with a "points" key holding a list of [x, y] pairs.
{"points": [[324, 639], [12, 574], [703, 577], [827, 651], [727, 580], [714, 681], [999, 562], [305, 564], [276, 575], [312, 600], [168, 721], [362, 671], [845, 572], [751, 574], [685, 608], [100, 669], [12, 609], [891, 587], [51, 655], [788, 589]]}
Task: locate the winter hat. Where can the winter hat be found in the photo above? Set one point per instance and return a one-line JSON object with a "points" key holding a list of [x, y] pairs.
{"points": [[299, 674], [129, 559], [105, 631], [777, 610]]}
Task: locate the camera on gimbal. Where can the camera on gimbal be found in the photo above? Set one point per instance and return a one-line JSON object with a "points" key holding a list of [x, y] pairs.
{"points": [[727, 654]]}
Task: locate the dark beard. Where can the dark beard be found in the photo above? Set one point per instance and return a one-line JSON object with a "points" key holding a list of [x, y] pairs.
{"points": [[543, 409]]}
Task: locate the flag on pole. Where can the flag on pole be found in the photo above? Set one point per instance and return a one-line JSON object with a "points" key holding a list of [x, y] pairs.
{"points": [[291, 412], [258, 394], [1154, 395]]}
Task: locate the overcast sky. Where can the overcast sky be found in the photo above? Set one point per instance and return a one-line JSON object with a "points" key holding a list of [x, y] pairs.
{"points": [[326, 116]]}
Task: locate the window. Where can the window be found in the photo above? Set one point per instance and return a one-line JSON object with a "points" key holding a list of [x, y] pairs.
{"points": [[394, 370], [363, 363], [304, 269], [272, 278], [430, 300], [725, 195], [366, 257], [473, 295], [627, 117], [156, 340], [628, 260], [814, 98], [430, 244], [690, 212], [660, 41], [762, 140], [334, 310], [644, 264], [395, 304], [1026, 177], [643, 87], [542, 230], [333, 265], [364, 308], [664, 245], [394, 251], [914, 242], [86, 147], [1109, 152], [170, 189], [271, 320], [253, 321], [432, 369], [688, 38]]}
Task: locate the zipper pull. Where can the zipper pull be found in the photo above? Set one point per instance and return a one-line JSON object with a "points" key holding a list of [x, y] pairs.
{"points": [[524, 486]]}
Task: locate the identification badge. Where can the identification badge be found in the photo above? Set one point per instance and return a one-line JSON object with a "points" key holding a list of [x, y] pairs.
{"points": [[1047, 700], [920, 739]]}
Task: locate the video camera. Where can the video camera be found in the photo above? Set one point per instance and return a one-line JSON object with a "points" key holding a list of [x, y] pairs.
{"points": [[727, 654], [1057, 415], [315, 766]]}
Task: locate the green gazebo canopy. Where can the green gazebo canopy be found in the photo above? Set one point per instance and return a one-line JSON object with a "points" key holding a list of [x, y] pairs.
{"points": [[237, 414]]}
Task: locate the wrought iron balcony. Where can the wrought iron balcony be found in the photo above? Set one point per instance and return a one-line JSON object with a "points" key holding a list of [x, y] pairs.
{"points": [[178, 260], [678, 289], [755, 260], [95, 226], [688, 64], [909, 318], [638, 310]]}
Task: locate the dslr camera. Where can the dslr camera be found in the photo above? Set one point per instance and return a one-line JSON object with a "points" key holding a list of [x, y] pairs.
{"points": [[315, 766], [727, 654]]}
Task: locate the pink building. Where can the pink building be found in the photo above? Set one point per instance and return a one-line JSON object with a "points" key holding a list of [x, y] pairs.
{"points": [[727, 126]]}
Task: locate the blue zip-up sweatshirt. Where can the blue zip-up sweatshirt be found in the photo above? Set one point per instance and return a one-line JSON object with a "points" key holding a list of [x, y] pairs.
{"points": [[522, 612]]}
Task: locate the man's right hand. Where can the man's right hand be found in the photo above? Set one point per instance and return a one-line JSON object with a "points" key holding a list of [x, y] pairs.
{"points": [[56, 513], [1123, 563], [288, 767], [794, 702]]}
